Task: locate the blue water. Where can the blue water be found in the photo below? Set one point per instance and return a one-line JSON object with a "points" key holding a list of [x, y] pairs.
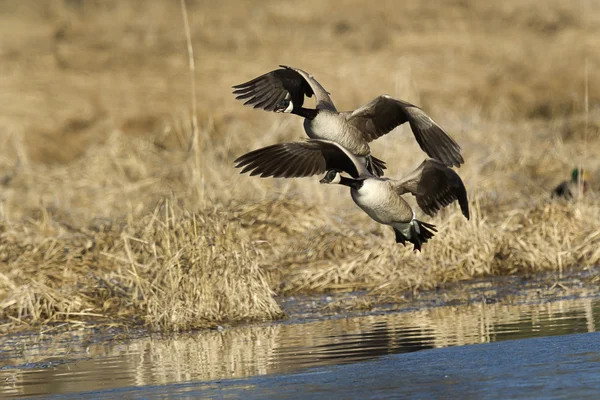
{"points": [[558, 367], [534, 348]]}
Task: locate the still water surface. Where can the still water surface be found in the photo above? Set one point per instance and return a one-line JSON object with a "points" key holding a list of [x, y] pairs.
{"points": [[158, 366]]}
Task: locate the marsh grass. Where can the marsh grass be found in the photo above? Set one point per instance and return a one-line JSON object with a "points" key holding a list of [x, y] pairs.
{"points": [[142, 248], [106, 216], [171, 270]]}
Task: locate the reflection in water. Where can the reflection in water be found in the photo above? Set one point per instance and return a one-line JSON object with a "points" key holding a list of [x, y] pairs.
{"points": [[77, 363], [377, 340]]}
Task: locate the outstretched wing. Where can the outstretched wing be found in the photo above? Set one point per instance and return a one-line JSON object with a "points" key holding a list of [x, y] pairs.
{"points": [[300, 159], [274, 91], [435, 186], [384, 113]]}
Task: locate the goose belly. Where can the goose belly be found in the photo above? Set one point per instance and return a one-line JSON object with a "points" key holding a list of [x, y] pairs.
{"points": [[325, 125], [375, 197], [332, 126]]}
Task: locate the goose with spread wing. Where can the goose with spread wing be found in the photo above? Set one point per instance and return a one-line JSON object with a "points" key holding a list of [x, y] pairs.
{"points": [[433, 184], [284, 90]]}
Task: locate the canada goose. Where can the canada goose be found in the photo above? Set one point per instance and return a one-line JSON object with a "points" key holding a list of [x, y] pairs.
{"points": [[433, 184], [283, 90], [567, 189]]}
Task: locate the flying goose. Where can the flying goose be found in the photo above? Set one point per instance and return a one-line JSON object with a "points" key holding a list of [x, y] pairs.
{"points": [[577, 184], [432, 183], [283, 90]]}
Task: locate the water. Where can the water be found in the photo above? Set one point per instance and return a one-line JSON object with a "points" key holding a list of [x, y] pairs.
{"points": [[265, 359]]}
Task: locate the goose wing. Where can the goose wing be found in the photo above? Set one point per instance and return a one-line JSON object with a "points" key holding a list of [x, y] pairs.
{"points": [[384, 113], [274, 90], [435, 186], [321, 95], [300, 159]]}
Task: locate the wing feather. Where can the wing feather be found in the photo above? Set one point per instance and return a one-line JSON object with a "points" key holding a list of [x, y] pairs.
{"points": [[300, 159], [271, 90], [384, 113], [435, 186]]}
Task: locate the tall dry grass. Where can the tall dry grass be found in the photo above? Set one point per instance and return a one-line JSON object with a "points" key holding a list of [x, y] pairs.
{"points": [[105, 217], [171, 270]]}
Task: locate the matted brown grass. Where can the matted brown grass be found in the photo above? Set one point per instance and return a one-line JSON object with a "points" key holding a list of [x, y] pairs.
{"points": [[171, 270], [107, 216]]}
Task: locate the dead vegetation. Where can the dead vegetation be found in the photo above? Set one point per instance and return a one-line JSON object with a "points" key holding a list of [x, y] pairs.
{"points": [[171, 270], [107, 216]]}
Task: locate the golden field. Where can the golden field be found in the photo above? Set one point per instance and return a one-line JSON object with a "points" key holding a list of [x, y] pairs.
{"points": [[113, 212]]}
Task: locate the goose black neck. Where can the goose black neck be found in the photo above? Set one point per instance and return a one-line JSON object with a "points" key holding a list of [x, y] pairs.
{"points": [[308, 113], [353, 183]]}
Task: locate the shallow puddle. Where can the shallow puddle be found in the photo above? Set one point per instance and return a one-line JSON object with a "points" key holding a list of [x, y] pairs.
{"points": [[83, 362]]}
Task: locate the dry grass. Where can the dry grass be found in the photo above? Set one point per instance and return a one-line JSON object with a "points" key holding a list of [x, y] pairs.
{"points": [[106, 216], [171, 270]]}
